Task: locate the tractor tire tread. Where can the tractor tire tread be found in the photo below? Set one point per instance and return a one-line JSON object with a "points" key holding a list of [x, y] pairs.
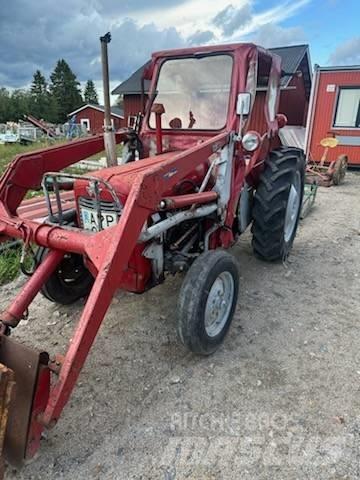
{"points": [[270, 203]]}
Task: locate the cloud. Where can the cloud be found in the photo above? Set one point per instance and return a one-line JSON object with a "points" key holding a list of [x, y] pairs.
{"points": [[231, 19], [200, 38], [271, 35], [187, 15], [34, 35], [346, 53], [35, 38], [274, 15]]}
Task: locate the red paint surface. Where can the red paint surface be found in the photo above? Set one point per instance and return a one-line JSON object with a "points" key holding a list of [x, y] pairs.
{"points": [[132, 106], [324, 111], [96, 118], [36, 209], [293, 102]]}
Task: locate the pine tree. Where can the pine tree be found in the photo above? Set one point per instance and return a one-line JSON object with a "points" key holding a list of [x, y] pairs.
{"points": [[65, 90], [40, 98], [19, 105], [38, 86], [5, 101], [90, 93]]}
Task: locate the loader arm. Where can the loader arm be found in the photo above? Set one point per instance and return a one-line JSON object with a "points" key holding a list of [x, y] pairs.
{"points": [[26, 171], [143, 200]]}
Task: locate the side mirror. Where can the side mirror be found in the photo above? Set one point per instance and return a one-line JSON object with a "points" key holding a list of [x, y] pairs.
{"points": [[243, 103]]}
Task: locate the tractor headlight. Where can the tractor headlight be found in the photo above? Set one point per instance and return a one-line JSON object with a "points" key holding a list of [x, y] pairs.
{"points": [[250, 141]]}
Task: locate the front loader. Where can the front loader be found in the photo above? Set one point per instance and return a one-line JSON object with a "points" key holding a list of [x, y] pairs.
{"points": [[203, 164]]}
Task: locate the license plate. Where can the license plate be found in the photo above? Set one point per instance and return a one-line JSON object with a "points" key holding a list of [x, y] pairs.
{"points": [[90, 219]]}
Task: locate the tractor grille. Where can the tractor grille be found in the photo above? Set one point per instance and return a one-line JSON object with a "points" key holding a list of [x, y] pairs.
{"points": [[105, 206]]}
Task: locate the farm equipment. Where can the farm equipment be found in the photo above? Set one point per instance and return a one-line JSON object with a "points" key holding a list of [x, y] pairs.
{"points": [[327, 175], [42, 125], [200, 169]]}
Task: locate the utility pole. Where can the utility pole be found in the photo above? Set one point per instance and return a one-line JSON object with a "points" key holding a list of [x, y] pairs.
{"points": [[109, 134]]}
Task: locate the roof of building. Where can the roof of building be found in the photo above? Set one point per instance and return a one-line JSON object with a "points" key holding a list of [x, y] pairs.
{"points": [[338, 68], [115, 111], [132, 85], [294, 57]]}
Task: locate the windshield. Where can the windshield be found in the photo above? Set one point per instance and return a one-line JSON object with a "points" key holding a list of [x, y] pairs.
{"points": [[194, 92]]}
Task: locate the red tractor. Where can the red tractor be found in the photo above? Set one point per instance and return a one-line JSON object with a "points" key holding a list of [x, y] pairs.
{"points": [[203, 162]]}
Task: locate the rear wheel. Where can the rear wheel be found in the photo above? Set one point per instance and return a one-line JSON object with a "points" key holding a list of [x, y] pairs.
{"points": [[340, 169], [277, 204], [69, 282], [207, 301]]}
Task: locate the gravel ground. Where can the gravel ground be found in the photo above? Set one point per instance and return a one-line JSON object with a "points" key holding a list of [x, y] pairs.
{"points": [[279, 400]]}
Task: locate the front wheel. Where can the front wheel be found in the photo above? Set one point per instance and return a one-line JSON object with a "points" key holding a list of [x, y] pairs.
{"points": [[277, 203], [69, 282], [207, 301]]}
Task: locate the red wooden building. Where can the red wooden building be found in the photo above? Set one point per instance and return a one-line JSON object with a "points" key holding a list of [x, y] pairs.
{"points": [[91, 117], [295, 87], [335, 112]]}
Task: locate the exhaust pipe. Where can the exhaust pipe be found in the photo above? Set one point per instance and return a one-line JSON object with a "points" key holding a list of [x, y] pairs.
{"points": [[109, 134]]}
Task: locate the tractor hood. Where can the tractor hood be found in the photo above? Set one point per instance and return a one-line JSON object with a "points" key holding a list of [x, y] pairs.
{"points": [[122, 177]]}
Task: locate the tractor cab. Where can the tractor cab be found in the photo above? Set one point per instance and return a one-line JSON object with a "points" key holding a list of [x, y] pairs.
{"points": [[194, 95]]}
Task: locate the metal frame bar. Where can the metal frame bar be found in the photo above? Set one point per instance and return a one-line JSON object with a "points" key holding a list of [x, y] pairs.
{"points": [[56, 176]]}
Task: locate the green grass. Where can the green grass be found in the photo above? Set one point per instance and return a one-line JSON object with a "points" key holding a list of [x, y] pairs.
{"points": [[8, 151], [9, 264]]}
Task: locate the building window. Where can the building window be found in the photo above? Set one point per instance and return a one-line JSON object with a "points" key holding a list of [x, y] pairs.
{"points": [[347, 114], [85, 122], [131, 121]]}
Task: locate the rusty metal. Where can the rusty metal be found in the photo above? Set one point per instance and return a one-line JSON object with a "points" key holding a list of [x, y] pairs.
{"points": [[55, 363], [25, 363], [322, 176], [327, 175], [6, 386]]}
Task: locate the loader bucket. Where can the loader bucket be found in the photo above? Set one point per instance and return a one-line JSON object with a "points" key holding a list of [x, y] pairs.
{"points": [[20, 428], [6, 386]]}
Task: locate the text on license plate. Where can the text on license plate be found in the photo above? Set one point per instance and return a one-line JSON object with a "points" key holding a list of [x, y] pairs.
{"points": [[90, 221]]}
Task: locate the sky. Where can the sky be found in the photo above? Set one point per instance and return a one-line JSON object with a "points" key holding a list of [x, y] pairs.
{"points": [[34, 34]]}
